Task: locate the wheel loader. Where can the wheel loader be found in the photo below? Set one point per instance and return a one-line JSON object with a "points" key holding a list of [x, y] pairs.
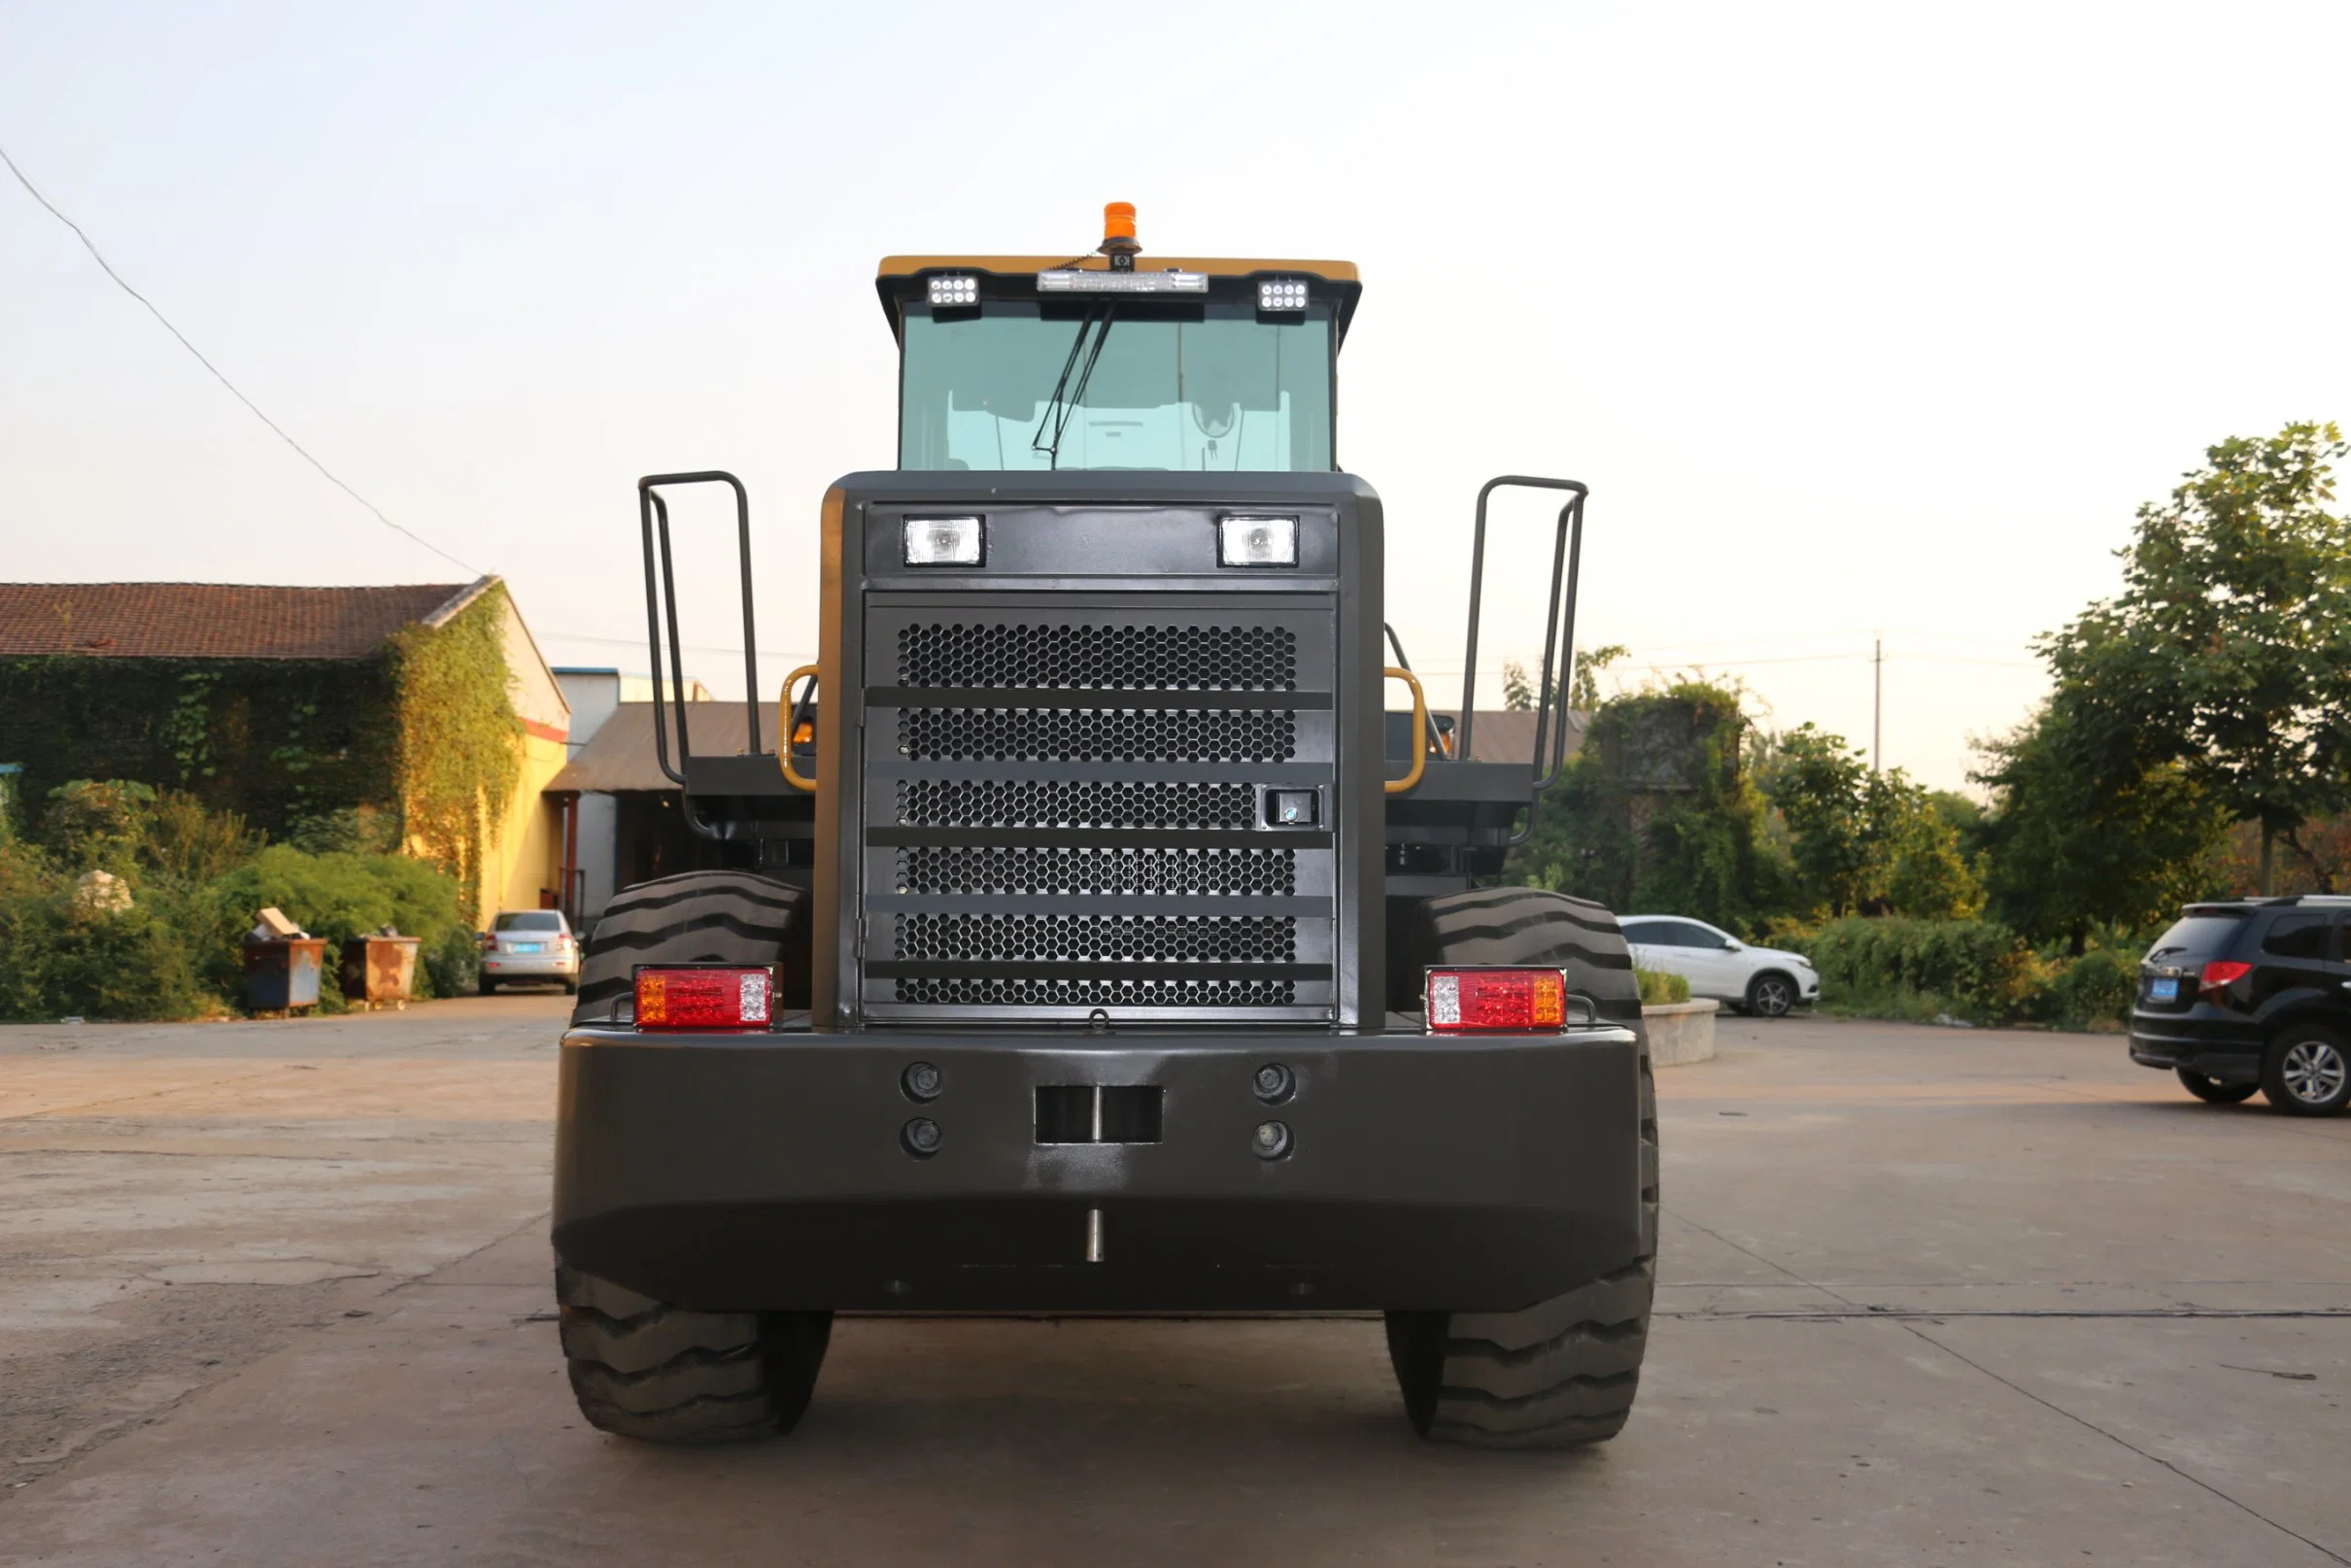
{"points": [[1084, 933]]}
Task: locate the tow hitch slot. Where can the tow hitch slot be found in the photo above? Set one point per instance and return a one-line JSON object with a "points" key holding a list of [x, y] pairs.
{"points": [[1098, 1114]]}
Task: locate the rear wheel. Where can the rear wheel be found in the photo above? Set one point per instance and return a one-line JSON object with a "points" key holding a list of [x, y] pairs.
{"points": [[697, 917], [1564, 1371], [2215, 1091], [2306, 1072], [487, 986], [643, 1369]]}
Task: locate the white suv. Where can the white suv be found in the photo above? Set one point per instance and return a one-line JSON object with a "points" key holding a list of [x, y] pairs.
{"points": [[530, 945], [1760, 981]]}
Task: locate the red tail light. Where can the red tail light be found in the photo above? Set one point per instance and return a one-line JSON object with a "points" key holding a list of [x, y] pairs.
{"points": [[1477, 1001], [704, 998], [2218, 975]]}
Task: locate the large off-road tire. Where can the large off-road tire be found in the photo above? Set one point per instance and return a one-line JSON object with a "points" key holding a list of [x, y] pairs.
{"points": [[661, 1374], [696, 917], [1523, 925], [1564, 1371]]}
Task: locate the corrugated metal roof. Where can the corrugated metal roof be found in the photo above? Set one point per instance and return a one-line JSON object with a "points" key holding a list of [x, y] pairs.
{"points": [[619, 755], [1502, 735], [216, 620]]}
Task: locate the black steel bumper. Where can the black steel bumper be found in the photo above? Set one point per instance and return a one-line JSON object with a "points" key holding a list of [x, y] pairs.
{"points": [[773, 1171]]}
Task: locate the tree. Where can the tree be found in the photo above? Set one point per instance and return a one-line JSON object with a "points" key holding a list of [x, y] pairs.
{"points": [[1656, 812], [1583, 692], [2227, 654], [1815, 780], [1863, 841], [2069, 845]]}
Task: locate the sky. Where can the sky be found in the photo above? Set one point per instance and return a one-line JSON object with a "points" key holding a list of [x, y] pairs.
{"points": [[1857, 320]]}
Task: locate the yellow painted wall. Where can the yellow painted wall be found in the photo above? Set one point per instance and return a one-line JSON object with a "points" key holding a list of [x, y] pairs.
{"points": [[526, 852]]}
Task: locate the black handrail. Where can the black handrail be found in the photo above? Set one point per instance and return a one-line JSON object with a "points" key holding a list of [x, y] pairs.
{"points": [[1558, 639], [660, 590]]}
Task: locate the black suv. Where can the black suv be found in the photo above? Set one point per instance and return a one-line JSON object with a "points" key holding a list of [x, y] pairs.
{"points": [[2252, 994]]}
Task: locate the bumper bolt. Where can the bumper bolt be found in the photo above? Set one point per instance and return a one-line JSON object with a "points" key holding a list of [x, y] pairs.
{"points": [[921, 1081], [920, 1136], [1272, 1140], [1275, 1082]]}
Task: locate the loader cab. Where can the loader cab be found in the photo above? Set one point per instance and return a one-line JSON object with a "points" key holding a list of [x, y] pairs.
{"points": [[1026, 363]]}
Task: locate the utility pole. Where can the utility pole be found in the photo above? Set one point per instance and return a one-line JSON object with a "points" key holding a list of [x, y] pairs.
{"points": [[1876, 703]]}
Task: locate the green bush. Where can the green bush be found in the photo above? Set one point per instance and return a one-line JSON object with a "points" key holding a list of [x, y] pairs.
{"points": [[1973, 968], [345, 893], [2095, 991], [1659, 989], [451, 966], [167, 956], [196, 880]]}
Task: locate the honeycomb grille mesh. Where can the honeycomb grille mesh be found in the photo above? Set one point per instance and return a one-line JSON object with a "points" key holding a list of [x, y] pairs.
{"points": [[1263, 872], [1092, 993], [1053, 803], [1098, 735], [1098, 938], [1210, 658]]}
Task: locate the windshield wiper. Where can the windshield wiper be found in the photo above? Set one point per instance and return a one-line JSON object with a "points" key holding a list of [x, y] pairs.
{"points": [[1101, 334]]}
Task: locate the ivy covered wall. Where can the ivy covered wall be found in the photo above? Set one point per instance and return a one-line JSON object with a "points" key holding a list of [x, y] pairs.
{"points": [[276, 740], [417, 745]]}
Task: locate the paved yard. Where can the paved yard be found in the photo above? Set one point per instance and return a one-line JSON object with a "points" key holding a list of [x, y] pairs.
{"points": [[277, 1294]]}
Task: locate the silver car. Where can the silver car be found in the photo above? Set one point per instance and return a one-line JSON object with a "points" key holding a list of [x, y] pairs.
{"points": [[530, 945]]}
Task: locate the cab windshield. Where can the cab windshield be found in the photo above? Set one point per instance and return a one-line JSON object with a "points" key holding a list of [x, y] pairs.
{"points": [[1210, 386]]}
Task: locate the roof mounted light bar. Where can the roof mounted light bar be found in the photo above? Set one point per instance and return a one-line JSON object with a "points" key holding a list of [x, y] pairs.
{"points": [[1072, 281]]}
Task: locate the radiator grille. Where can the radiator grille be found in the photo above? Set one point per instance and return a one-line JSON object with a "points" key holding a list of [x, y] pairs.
{"points": [[1098, 735], [1014, 892], [1098, 938], [1104, 993], [1194, 872], [1055, 804], [1214, 658]]}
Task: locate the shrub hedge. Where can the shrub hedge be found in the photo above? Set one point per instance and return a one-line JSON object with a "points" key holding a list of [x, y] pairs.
{"points": [[1977, 971], [197, 880]]}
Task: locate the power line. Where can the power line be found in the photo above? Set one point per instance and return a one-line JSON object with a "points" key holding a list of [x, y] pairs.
{"points": [[119, 283]]}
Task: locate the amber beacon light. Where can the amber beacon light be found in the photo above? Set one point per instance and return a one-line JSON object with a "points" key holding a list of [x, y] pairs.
{"points": [[1118, 229]]}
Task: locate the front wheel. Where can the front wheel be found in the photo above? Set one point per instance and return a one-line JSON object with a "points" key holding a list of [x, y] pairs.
{"points": [[2306, 1072], [2213, 1091], [1563, 1371], [1555, 1375], [643, 1369], [1770, 995]]}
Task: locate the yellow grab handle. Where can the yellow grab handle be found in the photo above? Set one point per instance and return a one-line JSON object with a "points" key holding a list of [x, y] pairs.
{"points": [[1411, 780], [783, 718]]}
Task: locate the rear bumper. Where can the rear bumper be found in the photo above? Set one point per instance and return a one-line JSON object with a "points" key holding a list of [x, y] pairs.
{"points": [[531, 965], [769, 1172], [2229, 1049]]}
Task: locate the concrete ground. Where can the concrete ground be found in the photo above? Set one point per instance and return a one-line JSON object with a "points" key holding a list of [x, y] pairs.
{"points": [[278, 1294]]}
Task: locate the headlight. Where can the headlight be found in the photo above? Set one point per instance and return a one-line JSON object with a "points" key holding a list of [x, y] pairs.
{"points": [[944, 541], [1257, 541]]}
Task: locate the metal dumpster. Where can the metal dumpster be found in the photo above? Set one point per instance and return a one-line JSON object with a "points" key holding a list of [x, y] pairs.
{"points": [[379, 971], [283, 974]]}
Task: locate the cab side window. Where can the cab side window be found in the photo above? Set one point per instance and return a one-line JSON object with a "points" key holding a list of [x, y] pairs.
{"points": [[2300, 936], [1688, 934], [1647, 932]]}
